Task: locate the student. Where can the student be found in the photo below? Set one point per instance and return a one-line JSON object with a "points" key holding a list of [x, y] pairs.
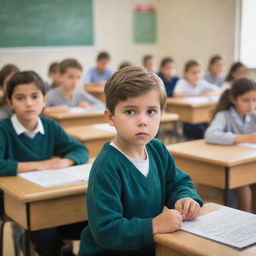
{"points": [[238, 70], [67, 95], [98, 75], [134, 176], [149, 63], [235, 122], [54, 76], [168, 75], [194, 85], [5, 75], [28, 142], [215, 74]]}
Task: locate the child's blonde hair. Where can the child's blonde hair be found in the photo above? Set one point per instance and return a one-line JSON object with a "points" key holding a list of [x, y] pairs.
{"points": [[132, 82]]}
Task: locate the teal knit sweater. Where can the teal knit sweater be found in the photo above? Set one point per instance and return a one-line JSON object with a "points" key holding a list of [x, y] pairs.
{"points": [[20, 148], [122, 202]]}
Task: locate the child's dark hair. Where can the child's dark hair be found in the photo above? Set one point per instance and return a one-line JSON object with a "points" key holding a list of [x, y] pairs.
{"points": [[54, 68], [146, 58], [190, 64], [25, 77], [103, 55], [166, 61], [214, 59], [239, 87], [69, 63], [6, 71], [233, 68], [132, 82]]}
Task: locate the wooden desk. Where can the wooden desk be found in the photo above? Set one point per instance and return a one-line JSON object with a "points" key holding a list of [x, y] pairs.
{"points": [[191, 112], [224, 167], [35, 207], [91, 137], [72, 119], [182, 243], [97, 92]]}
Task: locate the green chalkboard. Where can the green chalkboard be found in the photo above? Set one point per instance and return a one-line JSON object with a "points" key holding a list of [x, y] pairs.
{"points": [[144, 27], [28, 23]]}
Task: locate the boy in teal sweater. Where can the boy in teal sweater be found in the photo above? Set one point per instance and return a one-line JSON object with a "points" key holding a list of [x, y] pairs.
{"points": [[28, 143], [134, 177]]}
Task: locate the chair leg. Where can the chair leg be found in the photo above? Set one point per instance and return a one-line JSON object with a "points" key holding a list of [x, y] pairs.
{"points": [[2, 223]]}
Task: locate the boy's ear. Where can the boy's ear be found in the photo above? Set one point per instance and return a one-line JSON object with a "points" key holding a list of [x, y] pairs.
{"points": [[109, 117], [10, 104]]}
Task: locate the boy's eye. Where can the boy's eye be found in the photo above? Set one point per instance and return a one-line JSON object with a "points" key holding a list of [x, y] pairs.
{"points": [[152, 112], [20, 98], [130, 112], [34, 97]]}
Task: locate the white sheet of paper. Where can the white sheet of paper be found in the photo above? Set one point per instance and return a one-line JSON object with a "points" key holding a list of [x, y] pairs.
{"points": [[247, 145], [228, 226], [200, 99], [105, 127], [48, 178], [78, 110]]}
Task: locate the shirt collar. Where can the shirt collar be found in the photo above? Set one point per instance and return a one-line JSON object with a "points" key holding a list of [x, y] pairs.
{"points": [[19, 128], [238, 119]]}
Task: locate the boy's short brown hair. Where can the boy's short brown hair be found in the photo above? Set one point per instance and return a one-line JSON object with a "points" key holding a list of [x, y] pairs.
{"points": [[69, 63], [132, 82]]}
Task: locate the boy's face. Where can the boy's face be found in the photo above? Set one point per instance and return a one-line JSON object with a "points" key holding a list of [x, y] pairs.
{"points": [[194, 74], [27, 102], [169, 69], [71, 78], [150, 65], [136, 119], [102, 64]]}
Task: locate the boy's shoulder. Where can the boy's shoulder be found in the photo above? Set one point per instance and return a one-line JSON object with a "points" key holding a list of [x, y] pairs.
{"points": [[53, 92], [5, 122], [49, 123]]}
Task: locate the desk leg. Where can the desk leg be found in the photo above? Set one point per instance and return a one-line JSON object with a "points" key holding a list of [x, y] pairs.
{"points": [[2, 222], [227, 189], [28, 231]]}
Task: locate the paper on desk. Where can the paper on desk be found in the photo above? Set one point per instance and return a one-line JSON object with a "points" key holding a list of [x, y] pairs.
{"points": [[105, 127], [200, 99], [247, 145], [228, 226], [78, 110], [48, 178]]}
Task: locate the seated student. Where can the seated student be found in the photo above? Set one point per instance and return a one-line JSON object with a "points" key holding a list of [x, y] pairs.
{"points": [[5, 75], [98, 75], [134, 177], [215, 74], [237, 70], [67, 95], [194, 85], [168, 75], [54, 76], [28, 142], [149, 63], [234, 121]]}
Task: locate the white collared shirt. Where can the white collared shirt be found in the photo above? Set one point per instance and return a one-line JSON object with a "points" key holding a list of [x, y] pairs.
{"points": [[19, 128], [141, 165]]}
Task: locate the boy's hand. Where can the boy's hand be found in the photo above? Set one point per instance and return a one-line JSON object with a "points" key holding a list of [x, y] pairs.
{"points": [[167, 221], [188, 208]]}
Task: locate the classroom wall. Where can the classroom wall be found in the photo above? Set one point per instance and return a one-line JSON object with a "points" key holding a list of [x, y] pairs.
{"points": [[186, 29]]}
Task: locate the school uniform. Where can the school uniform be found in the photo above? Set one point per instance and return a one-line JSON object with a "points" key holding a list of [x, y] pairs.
{"points": [[48, 139], [56, 98], [94, 75], [226, 85], [169, 84], [194, 131], [122, 201], [217, 80], [227, 124]]}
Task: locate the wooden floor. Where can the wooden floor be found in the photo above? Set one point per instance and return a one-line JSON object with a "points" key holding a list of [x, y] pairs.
{"points": [[8, 243]]}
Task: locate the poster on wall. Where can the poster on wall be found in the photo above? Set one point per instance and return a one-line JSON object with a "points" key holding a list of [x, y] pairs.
{"points": [[144, 24]]}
